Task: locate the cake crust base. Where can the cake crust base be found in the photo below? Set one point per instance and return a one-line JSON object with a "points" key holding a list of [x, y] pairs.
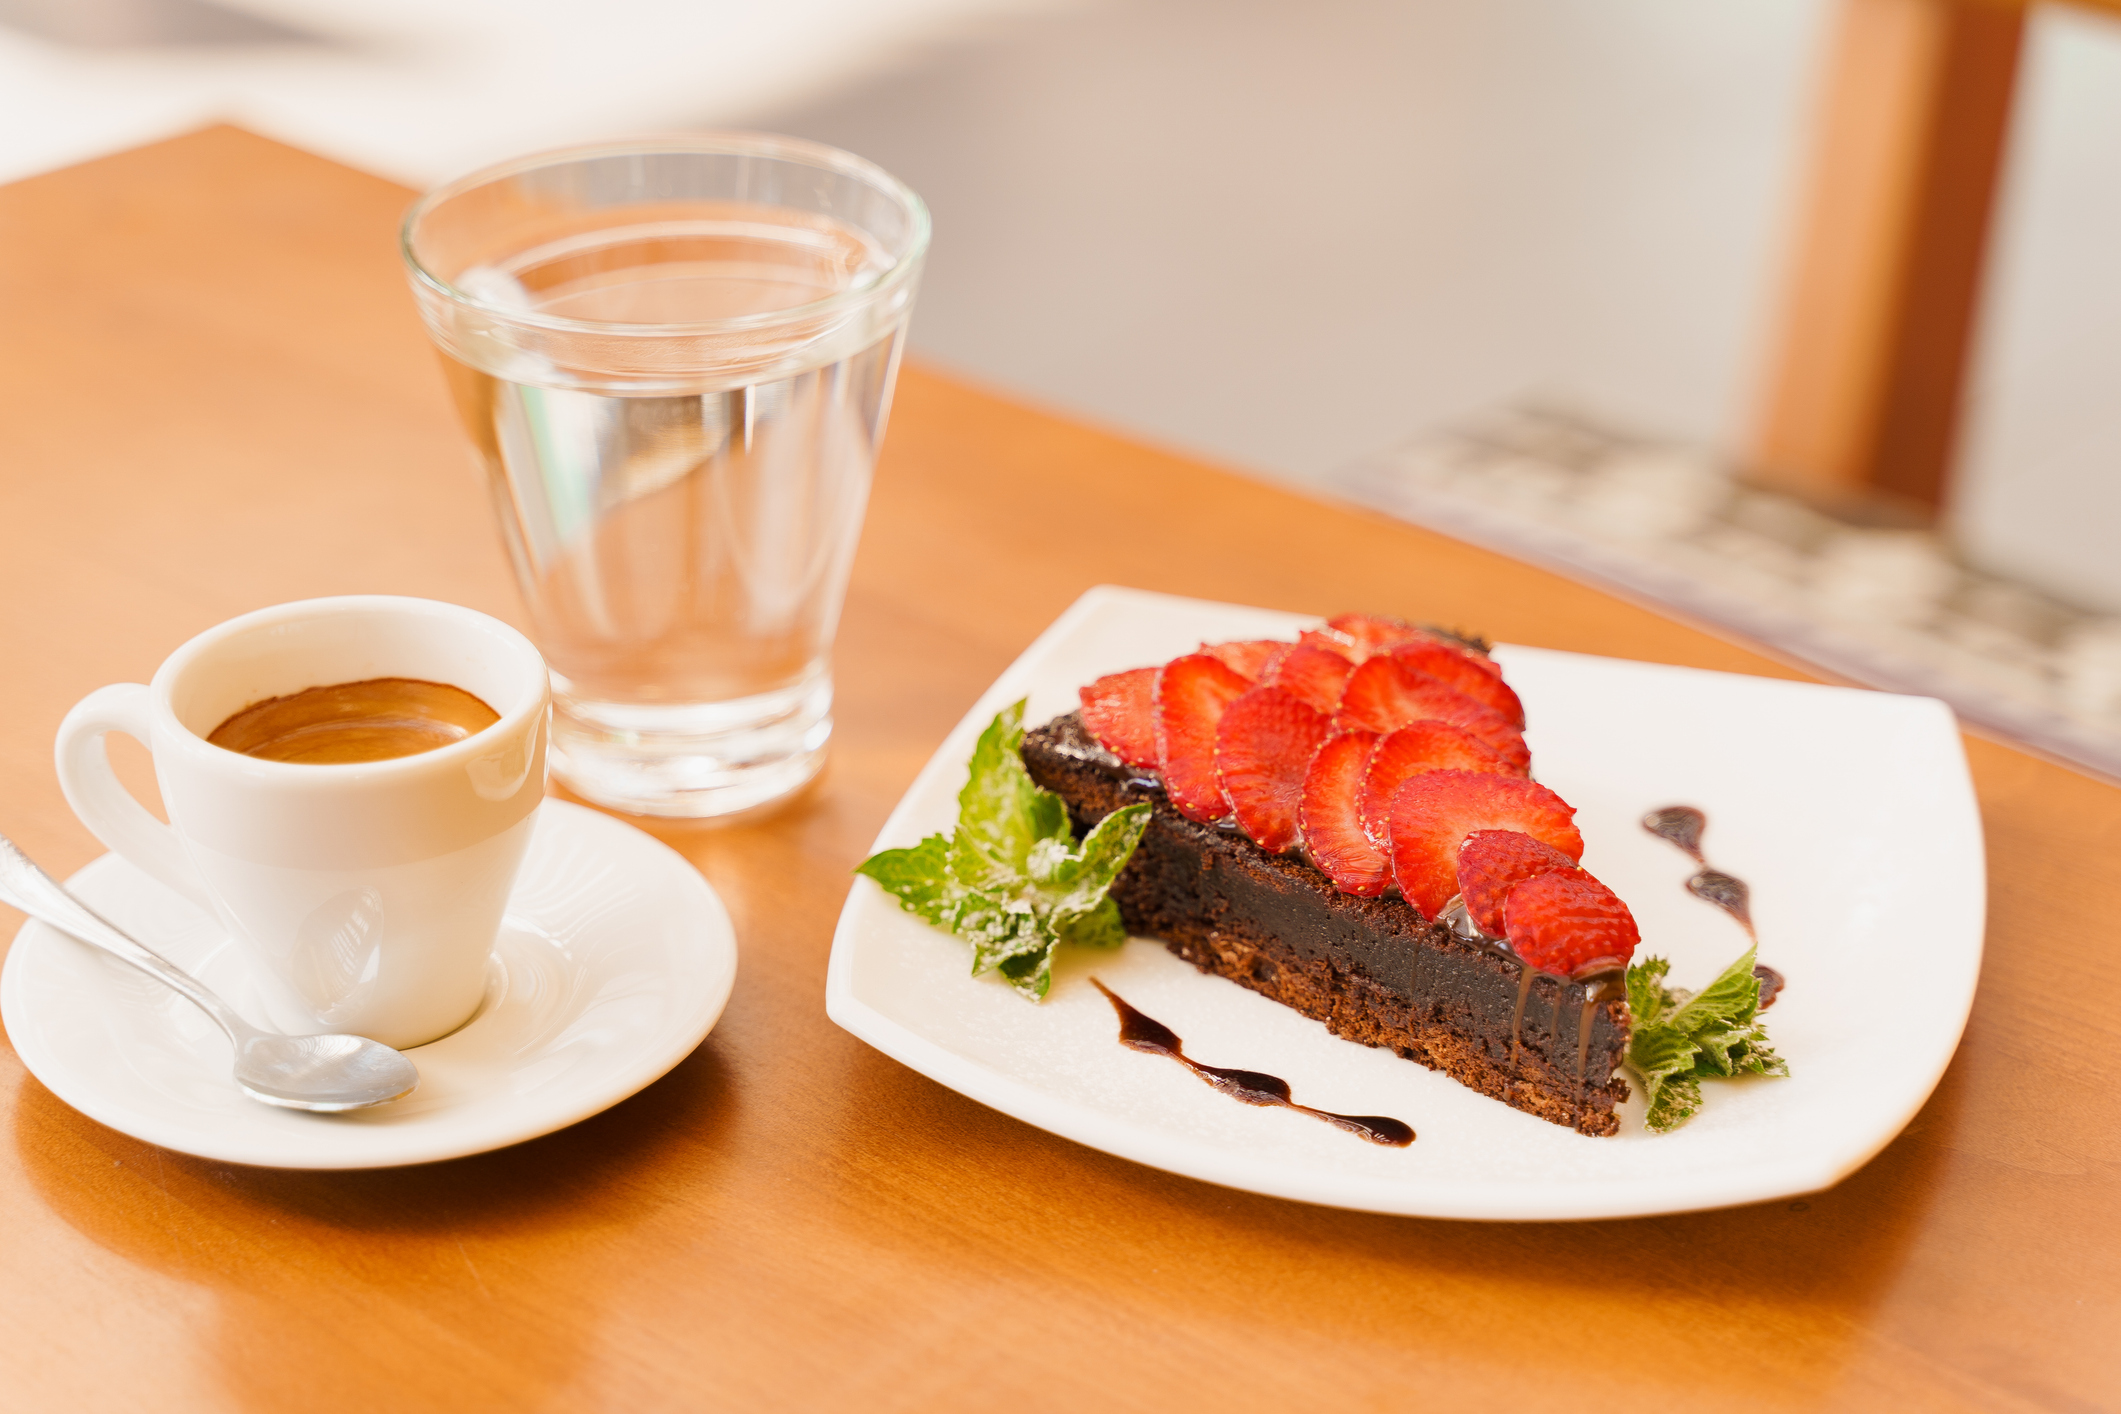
{"points": [[1373, 970]]}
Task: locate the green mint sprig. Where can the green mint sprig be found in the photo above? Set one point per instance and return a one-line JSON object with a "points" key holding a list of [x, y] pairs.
{"points": [[1011, 880], [1681, 1039]]}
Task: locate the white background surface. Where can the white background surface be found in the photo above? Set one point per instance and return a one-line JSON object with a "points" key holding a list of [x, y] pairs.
{"points": [[1850, 813]]}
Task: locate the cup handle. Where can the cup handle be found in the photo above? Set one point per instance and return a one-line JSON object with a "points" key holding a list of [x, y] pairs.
{"points": [[105, 805]]}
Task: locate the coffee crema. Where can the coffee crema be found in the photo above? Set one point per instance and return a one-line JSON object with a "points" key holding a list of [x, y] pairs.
{"points": [[377, 719]]}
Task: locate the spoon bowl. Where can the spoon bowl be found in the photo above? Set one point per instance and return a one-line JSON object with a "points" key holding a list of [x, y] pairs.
{"points": [[324, 1073]]}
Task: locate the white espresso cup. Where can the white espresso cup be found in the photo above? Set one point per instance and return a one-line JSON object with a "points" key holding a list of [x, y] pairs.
{"points": [[366, 896]]}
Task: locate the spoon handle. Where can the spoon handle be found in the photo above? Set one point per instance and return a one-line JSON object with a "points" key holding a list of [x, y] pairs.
{"points": [[25, 886]]}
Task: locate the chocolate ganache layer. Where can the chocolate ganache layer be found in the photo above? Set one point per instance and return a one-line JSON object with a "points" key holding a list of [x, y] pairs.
{"points": [[1372, 969]]}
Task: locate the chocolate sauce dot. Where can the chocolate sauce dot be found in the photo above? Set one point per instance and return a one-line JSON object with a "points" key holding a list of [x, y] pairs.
{"points": [[1681, 825], [1726, 891]]}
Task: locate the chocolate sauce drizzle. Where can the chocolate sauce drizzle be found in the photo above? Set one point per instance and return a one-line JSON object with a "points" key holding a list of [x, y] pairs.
{"points": [[1683, 825], [1145, 1033]]}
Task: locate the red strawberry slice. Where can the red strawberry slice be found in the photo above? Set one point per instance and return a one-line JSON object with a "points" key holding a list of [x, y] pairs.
{"points": [[1119, 711], [1477, 678], [1418, 747], [1316, 675], [1432, 814], [1331, 817], [1332, 641], [1492, 863], [1370, 634], [1359, 637], [1263, 747], [1191, 693], [1385, 694], [1566, 921], [1249, 659], [1475, 650]]}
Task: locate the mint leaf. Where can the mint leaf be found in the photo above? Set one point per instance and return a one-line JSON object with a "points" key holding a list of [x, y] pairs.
{"points": [[1010, 880], [1714, 1045], [1072, 883], [1658, 1054], [1760, 1058], [1674, 1103], [998, 932], [1733, 996], [920, 876], [1678, 1040], [1099, 928], [1648, 1000], [1002, 813], [1030, 973], [1753, 1056]]}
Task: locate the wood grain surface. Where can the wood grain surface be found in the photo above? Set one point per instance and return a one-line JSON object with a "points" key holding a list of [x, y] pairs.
{"points": [[217, 396]]}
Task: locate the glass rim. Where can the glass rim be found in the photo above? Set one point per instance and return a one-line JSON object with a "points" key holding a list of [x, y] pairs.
{"points": [[708, 143]]}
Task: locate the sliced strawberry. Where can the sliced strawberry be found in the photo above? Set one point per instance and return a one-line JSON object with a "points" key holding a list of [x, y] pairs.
{"points": [[1414, 748], [1360, 637], [1332, 641], [1477, 678], [1370, 634], [1493, 862], [1119, 710], [1475, 649], [1249, 659], [1331, 817], [1263, 747], [1432, 814], [1565, 921], [1191, 693], [1384, 694], [1317, 675]]}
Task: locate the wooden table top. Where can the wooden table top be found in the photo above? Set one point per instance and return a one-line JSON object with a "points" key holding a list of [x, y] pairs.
{"points": [[217, 396]]}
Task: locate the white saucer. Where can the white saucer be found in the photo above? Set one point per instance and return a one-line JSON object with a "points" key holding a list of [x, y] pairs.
{"points": [[614, 961]]}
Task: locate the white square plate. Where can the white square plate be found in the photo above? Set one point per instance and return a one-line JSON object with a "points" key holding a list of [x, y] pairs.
{"points": [[1850, 813]]}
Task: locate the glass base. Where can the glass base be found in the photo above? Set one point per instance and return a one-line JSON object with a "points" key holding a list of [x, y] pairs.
{"points": [[691, 760]]}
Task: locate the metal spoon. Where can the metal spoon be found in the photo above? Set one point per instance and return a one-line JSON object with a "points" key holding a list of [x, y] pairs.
{"points": [[328, 1073]]}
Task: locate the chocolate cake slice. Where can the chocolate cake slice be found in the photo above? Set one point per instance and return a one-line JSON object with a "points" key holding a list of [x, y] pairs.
{"points": [[1372, 969]]}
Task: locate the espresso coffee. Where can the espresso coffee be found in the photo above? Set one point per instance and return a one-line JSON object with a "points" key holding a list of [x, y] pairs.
{"points": [[373, 720]]}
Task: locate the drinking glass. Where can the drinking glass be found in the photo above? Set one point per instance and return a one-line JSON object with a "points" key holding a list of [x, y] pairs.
{"points": [[675, 358]]}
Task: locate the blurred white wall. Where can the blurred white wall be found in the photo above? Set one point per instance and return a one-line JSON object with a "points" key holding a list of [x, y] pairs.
{"points": [[1288, 236], [2040, 471], [420, 90]]}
